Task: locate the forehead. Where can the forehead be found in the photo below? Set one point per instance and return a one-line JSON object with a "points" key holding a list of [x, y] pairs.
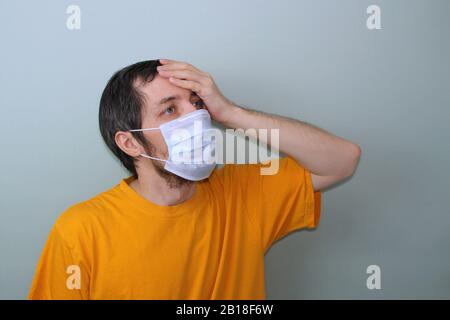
{"points": [[158, 89]]}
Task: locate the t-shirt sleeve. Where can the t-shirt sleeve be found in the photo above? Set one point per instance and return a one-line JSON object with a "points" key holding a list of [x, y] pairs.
{"points": [[280, 203], [60, 273]]}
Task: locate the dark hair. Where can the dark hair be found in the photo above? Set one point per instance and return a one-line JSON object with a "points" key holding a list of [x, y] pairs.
{"points": [[121, 105]]}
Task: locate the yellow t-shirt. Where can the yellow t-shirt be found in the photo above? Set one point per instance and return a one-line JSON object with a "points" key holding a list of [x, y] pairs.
{"points": [[211, 246]]}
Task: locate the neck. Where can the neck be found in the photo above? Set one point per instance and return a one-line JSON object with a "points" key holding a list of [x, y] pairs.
{"points": [[158, 190]]}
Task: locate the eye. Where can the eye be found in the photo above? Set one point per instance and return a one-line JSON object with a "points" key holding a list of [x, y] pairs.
{"points": [[199, 104], [169, 110]]}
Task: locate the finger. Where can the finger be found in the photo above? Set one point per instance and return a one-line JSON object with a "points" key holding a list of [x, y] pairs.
{"points": [[179, 65], [166, 61], [174, 65], [187, 84], [183, 74]]}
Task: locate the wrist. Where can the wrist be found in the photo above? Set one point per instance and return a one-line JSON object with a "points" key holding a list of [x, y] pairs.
{"points": [[232, 116]]}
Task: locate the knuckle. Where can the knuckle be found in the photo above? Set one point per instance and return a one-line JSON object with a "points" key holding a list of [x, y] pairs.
{"points": [[208, 80]]}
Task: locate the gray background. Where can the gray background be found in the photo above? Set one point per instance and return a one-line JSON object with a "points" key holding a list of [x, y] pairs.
{"points": [[387, 90]]}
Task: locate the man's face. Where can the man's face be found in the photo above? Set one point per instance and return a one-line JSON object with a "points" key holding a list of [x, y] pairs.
{"points": [[164, 102]]}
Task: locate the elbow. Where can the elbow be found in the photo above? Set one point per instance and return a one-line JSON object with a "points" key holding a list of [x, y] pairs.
{"points": [[353, 154]]}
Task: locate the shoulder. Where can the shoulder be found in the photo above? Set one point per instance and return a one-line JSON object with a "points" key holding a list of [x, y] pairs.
{"points": [[79, 220]]}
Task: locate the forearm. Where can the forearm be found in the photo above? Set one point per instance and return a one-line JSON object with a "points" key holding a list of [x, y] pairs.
{"points": [[318, 151]]}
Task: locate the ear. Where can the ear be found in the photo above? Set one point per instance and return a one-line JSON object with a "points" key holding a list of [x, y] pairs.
{"points": [[128, 144]]}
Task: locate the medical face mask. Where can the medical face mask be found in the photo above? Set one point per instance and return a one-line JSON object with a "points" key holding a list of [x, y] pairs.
{"points": [[190, 145]]}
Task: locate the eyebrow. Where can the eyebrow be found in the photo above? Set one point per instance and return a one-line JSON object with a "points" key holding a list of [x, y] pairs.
{"points": [[170, 98], [167, 99]]}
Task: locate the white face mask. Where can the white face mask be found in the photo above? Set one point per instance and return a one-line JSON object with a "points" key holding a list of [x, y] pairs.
{"points": [[189, 145]]}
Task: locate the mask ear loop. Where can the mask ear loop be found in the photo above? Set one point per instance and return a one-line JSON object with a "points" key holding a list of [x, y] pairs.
{"points": [[143, 154], [146, 129], [150, 157]]}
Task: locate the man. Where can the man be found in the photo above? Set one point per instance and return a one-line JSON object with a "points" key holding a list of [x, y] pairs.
{"points": [[184, 231]]}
